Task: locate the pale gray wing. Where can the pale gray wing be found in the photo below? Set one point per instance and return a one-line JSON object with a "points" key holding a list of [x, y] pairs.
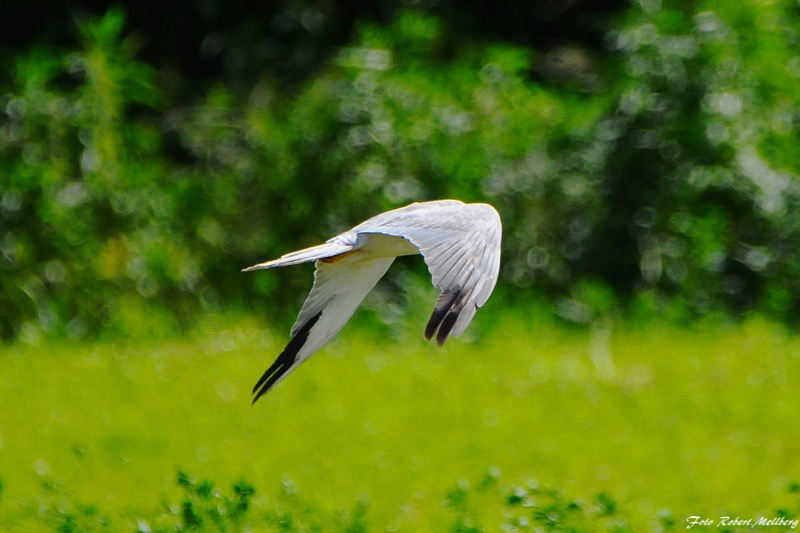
{"points": [[339, 287], [461, 246]]}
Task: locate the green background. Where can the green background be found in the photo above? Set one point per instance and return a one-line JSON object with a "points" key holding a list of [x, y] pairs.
{"points": [[636, 365]]}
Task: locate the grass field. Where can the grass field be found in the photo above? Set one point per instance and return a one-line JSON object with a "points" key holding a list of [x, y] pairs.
{"points": [[633, 429]]}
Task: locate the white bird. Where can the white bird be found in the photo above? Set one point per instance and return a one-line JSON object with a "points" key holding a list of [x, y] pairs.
{"points": [[459, 242]]}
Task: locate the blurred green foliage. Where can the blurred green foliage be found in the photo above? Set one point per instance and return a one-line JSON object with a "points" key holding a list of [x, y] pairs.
{"points": [[535, 427], [656, 174]]}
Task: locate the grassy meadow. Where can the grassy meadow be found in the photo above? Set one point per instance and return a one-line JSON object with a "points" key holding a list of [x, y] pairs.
{"points": [[531, 426], [644, 157]]}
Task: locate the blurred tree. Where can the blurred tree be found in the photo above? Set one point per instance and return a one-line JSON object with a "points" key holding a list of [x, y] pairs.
{"points": [[287, 41], [642, 156]]}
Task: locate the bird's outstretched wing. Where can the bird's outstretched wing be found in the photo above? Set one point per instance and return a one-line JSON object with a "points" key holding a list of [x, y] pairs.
{"points": [[339, 287], [459, 242], [461, 246]]}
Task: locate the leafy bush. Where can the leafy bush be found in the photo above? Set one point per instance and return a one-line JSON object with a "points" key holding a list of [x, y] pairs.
{"points": [[84, 209], [656, 174], [528, 507]]}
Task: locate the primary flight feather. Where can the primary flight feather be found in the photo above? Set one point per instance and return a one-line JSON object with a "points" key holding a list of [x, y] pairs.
{"points": [[459, 242]]}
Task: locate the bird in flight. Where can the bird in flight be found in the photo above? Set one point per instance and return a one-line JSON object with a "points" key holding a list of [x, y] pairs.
{"points": [[459, 242]]}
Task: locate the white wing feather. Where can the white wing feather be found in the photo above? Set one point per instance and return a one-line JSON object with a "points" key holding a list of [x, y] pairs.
{"points": [[339, 288], [461, 246], [459, 242]]}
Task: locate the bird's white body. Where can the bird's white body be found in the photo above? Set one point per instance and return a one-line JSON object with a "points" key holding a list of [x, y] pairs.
{"points": [[376, 245], [460, 243]]}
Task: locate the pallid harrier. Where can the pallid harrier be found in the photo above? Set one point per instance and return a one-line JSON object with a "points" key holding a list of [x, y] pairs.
{"points": [[459, 242]]}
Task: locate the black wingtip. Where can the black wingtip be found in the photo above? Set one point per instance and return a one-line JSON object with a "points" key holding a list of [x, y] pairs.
{"points": [[285, 361], [447, 326], [444, 316], [273, 374]]}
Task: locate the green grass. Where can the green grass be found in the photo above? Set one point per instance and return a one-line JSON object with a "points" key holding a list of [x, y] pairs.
{"points": [[399, 435]]}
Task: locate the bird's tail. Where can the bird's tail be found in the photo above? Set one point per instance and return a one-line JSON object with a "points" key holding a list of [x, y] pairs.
{"points": [[322, 251]]}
